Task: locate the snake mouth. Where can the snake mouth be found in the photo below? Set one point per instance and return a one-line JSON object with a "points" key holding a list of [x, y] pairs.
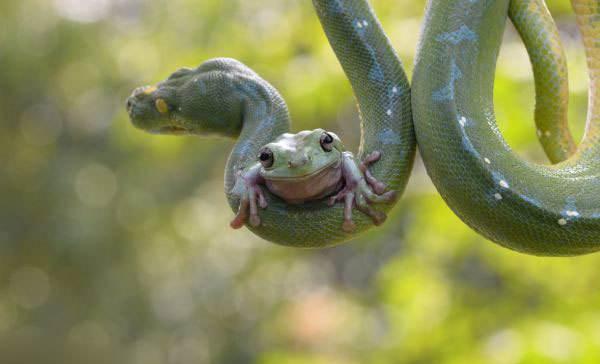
{"points": [[171, 129]]}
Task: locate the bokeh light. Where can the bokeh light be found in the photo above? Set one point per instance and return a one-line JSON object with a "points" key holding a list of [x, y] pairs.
{"points": [[85, 11]]}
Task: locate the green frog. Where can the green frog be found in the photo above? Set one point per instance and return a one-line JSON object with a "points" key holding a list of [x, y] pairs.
{"points": [[306, 166]]}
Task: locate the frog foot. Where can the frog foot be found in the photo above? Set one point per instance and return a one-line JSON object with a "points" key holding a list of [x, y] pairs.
{"points": [[361, 189], [247, 188]]}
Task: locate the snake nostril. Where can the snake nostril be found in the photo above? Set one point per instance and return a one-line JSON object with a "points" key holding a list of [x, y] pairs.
{"points": [[129, 104]]}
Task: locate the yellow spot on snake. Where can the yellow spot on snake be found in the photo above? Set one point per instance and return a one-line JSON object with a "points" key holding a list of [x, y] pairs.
{"points": [[161, 106], [150, 90]]}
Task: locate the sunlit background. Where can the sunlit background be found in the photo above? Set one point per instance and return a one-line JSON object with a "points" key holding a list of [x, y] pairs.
{"points": [[115, 245]]}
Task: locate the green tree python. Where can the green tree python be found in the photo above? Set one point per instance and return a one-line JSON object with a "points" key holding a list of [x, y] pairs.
{"points": [[543, 210]]}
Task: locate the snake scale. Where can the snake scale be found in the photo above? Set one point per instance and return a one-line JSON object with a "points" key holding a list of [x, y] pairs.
{"points": [[536, 209]]}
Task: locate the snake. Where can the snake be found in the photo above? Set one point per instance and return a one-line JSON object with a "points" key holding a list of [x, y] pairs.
{"points": [[225, 97], [538, 209], [531, 208]]}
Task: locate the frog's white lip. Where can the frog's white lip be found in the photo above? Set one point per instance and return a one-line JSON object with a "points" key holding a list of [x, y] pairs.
{"points": [[306, 176]]}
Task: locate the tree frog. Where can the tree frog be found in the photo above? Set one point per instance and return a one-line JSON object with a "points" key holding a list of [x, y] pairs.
{"points": [[306, 166]]}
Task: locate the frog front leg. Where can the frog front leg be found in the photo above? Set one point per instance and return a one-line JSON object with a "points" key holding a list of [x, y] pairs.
{"points": [[361, 189], [247, 188]]}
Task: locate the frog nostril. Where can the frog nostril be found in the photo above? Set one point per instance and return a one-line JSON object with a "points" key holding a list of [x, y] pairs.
{"points": [[298, 162]]}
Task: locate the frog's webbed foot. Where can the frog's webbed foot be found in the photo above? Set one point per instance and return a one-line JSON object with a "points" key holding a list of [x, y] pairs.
{"points": [[377, 186], [361, 189], [247, 188]]}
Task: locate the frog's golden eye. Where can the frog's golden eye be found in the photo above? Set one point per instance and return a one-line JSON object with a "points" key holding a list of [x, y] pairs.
{"points": [[161, 106]]}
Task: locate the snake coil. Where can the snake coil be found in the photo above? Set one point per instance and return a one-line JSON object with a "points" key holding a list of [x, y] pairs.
{"points": [[536, 209]]}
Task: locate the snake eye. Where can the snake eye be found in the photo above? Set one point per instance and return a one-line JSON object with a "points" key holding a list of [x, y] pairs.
{"points": [[265, 156], [327, 142], [162, 106]]}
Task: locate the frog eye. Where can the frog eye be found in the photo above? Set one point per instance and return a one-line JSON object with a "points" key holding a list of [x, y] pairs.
{"points": [[162, 106], [265, 156], [327, 142]]}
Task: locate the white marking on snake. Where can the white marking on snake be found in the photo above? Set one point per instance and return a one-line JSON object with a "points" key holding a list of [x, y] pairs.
{"points": [[503, 184], [498, 196], [389, 112], [389, 137], [487, 160], [562, 222]]}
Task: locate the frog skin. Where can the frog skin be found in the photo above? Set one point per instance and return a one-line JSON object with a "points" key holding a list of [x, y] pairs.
{"points": [[307, 166]]}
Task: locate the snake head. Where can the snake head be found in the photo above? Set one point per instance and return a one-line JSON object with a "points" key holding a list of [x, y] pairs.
{"points": [[154, 109], [204, 100]]}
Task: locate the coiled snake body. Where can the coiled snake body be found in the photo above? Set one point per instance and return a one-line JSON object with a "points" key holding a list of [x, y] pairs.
{"points": [[537, 209], [546, 210]]}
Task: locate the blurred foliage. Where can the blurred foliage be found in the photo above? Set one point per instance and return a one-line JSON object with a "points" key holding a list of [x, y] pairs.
{"points": [[115, 245]]}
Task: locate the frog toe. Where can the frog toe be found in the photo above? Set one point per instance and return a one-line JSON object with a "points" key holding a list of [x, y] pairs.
{"points": [[254, 220], [242, 215], [363, 206], [348, 226], [388, 196], [262, 201]]}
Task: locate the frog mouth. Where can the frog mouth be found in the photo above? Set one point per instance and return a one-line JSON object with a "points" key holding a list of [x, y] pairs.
{"points": [[335, 164]]}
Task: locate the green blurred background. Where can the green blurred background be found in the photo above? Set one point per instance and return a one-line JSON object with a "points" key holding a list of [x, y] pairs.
{"points": [[115, 245]]}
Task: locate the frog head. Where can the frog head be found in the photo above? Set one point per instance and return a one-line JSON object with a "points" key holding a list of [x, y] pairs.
{"points": [[301, 155]]}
